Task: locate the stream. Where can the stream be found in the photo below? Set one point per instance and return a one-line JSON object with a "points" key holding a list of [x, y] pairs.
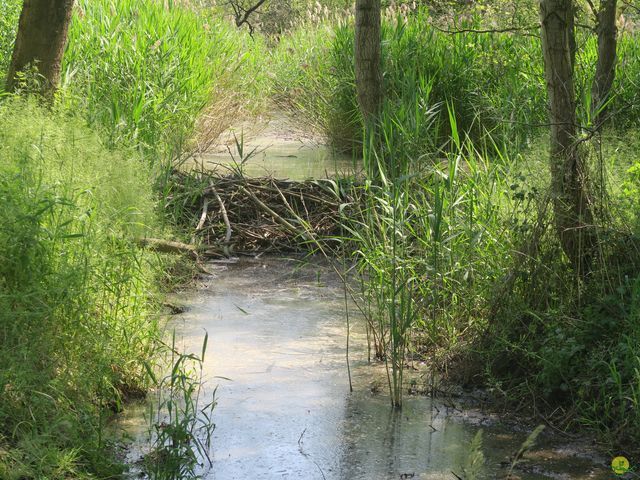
{"points": [[277, 331], [280, 149]]}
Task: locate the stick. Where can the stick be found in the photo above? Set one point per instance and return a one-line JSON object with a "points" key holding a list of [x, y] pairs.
{"points": [[203, 217], [275, 216], [225, 217], [168, 246]]}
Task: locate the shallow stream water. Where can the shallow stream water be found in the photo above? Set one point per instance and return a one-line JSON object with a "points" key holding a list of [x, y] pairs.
{"points": [[277, 331], [278, 148]]}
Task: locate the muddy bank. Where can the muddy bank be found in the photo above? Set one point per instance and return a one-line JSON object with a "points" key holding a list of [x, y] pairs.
{"points": [[277, 331]]}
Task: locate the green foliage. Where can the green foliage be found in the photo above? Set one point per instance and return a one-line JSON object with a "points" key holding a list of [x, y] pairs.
{"points": [[182, 427], [8, 26], [144, 71], [275, 18], [75, 291], [428, 240], [423, 68], [494, 81], [630, 186], [472, 469], [309, 66]]}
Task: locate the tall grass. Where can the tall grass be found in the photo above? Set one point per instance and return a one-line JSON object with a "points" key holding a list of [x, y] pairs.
{"points": [[489, 92], [76, 293], [428, 238], [493, 81], [147, 72], [457, 258], [78, 296], [182, 426]]}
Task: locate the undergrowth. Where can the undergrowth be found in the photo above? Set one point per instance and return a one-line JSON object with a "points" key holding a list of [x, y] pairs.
{"points": [[76, 293], [452, 232], [493, 81], [459, 263], [8, 26]]}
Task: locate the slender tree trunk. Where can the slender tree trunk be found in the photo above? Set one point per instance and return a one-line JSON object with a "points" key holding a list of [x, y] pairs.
{"points": [[368, 58], [572, 207], [607, 56], [41, 40]]}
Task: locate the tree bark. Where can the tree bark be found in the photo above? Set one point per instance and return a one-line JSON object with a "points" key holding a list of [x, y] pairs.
{"points": [[573, 213], [40, 43], [607, 57], [368, 58]]}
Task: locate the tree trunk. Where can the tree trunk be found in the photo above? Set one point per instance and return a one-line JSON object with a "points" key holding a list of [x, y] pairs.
{"points": [[572, 207], [368, 58], [40, 43], [607, 56]]}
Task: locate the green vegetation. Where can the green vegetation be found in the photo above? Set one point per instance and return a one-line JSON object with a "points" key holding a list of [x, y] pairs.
{"points": [[76, 294], [145, 73], [494, 82], [452, 231], [8, 25], [455, 237], [81, 184]]}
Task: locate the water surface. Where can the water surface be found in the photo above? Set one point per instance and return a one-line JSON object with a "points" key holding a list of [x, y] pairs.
{"points": [[280, 149], [277, 330]]}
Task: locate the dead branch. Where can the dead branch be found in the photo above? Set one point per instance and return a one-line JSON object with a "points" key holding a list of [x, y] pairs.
{"points": [[242, 14]]}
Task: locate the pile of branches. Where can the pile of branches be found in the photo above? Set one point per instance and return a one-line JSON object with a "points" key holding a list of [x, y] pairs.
{"points": [[240, 215]]}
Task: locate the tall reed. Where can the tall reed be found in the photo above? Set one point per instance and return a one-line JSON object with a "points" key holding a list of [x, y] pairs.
{"points": [[421, 227], [145, 71], [181, 426]]}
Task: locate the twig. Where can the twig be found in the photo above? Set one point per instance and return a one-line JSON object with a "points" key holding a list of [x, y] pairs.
{"points": [[490, 30], [306, 455], [225, 217], [203, 217], [275, 216]]}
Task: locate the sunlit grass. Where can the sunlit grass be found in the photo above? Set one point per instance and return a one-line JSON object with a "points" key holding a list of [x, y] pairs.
{"points": [[145, 72], [76, 293]]}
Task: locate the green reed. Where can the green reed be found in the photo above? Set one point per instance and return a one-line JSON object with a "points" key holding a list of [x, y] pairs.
{"points": [[420, 229], [152, 74], [181, 427]]}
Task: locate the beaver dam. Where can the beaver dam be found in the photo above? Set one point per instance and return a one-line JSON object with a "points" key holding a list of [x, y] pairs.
{"points": [[236, 215]]}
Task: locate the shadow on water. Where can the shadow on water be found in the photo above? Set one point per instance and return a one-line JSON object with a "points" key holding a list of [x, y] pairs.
{"points": [[277, 330]]}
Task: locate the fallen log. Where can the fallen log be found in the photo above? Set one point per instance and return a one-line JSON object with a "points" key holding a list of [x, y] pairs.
{"points": [[169, 246]]}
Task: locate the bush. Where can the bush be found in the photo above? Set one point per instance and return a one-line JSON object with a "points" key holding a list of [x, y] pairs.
{"points": [[75, 291]]}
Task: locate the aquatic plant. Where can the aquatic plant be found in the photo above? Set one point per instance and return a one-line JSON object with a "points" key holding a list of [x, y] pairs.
{"points": [[181, 428]]}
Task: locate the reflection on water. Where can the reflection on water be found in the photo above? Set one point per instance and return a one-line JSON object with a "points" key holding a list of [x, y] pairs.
{"points": [[277, 331], [294, 162], [280, 150]]}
